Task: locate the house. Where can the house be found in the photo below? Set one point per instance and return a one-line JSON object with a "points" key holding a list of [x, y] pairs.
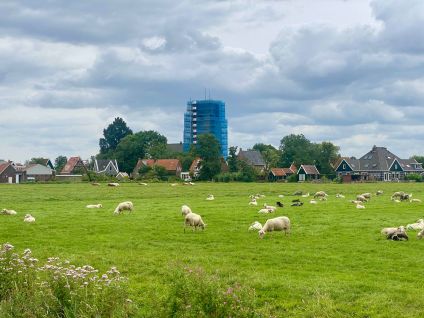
{"points": [[277, 174], [106, 166], [308, 173], [253, 158], [122, 176], [38, 172], [379, 164], [172, 166], [74, 166], [47, 163], [8, 173]]}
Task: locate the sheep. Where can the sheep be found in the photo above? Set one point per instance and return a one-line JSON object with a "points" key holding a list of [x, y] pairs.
{"points": [[94, 206], [113, 184], [388, 231], [397, 195], [323, 199], [297, 204], [142, 183], [366, 195], [173, 184], [415, 201], [379, 192], [255, 226], [313, 202], [406, 197], [340, 196], [398, 236], [420, 234], [124, 206], [281, 196], [8, 212], [355, 201], [185, 209], [279, 204], [298, 193], [320, 194], [361, 198], [29, 218], [281, 223], [270, 207], [265, 211], [419, 225], [253, 202], [360, 206], [194, 220], [210, 197], [191, 183], [305, 195]]}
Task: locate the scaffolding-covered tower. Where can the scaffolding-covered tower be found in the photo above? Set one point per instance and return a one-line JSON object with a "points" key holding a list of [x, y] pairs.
{"points": [[202, 117]]}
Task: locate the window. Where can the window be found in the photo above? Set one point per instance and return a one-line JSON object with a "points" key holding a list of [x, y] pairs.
{"points": [[396, 166], [344, 166]]}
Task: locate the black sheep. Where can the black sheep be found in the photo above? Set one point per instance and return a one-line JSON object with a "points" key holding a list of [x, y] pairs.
{"points": [[279, 204]]}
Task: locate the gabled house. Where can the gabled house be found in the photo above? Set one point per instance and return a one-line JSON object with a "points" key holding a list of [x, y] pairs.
{"points": [[253, 158], [47, 163], [277, 174], [106, 166], [38, 172], [172, 166], [379, 164], [8, 173], [308, 173], [74, 166]]}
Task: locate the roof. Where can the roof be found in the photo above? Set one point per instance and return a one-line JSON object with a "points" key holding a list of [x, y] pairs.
{"points": [[71, 164], [178, 147], [102, 164], [278, 172], [168, 164], [253, 157], [380, 159], [38, 169], [309, 169], [3, 166]]}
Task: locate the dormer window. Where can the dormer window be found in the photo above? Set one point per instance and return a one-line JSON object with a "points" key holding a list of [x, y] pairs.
{"points": [[344, 166]]}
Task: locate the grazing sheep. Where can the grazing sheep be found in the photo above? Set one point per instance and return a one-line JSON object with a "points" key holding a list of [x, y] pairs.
{"points": [[305, 195], [398, 236], [142, 183], [185, 209], [95, 184], [281, 196], [298, 193], [379, 192], [94, 206], [279, 204], [361, 198], [397, 195], [8, 212], [255, 226], [281, 223], [128, 206], [419, 225], [367, 195], [388, 231], [340, 196], [29, 218], [420, 234], [320, 194], [415, 201], [194, 220], [113, 184], [253, 202], [210, 197], [270, 207], [265, 211], [360, 206], [313, 202], [406, 197], [297, 204]]}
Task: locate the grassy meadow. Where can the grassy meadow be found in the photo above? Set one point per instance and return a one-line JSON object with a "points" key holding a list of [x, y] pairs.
{"points": [[335, 263]]}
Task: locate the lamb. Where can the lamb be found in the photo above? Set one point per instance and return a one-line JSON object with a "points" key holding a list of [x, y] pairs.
{"points": [[320, 194], [419, 225], [360, 206], [361, 198], [265, 211], [397, 195], [389, 231], [313, 202], [281, 223], [113, 184], [185, 209], [127, 205], [340, 196], [420, 234], [297, 204], [270, 207], [8, 212], [253, 202], [279, 204], [29, 218], [255, 226], [94, 206], [367, 195], [194, 220], [379, 192], [305, 195], [415, 201], [210, 197]]}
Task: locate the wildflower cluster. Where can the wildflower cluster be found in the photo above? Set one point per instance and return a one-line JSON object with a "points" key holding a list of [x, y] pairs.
{"points": [[60, 288]]}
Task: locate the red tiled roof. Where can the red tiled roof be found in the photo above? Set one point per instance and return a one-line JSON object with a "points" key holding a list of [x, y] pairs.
{"points": [[168, 164], [3, 166], [310, 169], [278, 172], [70, 165], [287, 171]]}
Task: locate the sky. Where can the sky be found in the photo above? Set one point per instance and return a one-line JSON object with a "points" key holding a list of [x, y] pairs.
{"points": [[346, 71]]}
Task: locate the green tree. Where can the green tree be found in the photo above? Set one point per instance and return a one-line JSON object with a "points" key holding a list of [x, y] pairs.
{"points": [[232, 159], [59, 163], [139, 145], [327, 154], [209, 150], [38, 160], [419, 159], [297, 149], [270, 154], [113, 135]]}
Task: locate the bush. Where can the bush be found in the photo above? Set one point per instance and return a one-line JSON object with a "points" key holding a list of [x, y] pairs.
{"points": [[58, 289], [414, 177], [292, 178]]}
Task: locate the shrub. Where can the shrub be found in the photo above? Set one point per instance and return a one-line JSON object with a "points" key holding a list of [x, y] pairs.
{"points": [[292, 178], [414, 177]]}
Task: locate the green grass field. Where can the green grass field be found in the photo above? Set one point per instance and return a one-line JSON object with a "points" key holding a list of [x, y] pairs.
{"points": [[334, 264]]}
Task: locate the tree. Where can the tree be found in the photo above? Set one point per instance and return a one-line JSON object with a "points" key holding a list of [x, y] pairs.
{"points": [[40, 160], [113, 135], [297, 149], [419, 159], [327, 154], [143, 144], [232, 159], [209, 150], [270, 155], [59, 163]]}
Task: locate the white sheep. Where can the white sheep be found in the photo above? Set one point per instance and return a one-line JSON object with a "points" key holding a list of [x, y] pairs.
{"points": [[379, 192], [265, 211], [420, 234], [281, 195], [397, 195], [210, 197], [313, 202], [142, 183], [388, 231], [194, 220], [8, 212], [366, 195], [281, 223], [320, 194], [94, 206], [124, 206], [185, 209], [415, 201], [270, 207], [253, 202], [355, 201], [173, 184], [305, 195], [340, 196], [419, 225], [361, 198], [255, 226], [29, 218], [113, 184], [360, 206]]}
